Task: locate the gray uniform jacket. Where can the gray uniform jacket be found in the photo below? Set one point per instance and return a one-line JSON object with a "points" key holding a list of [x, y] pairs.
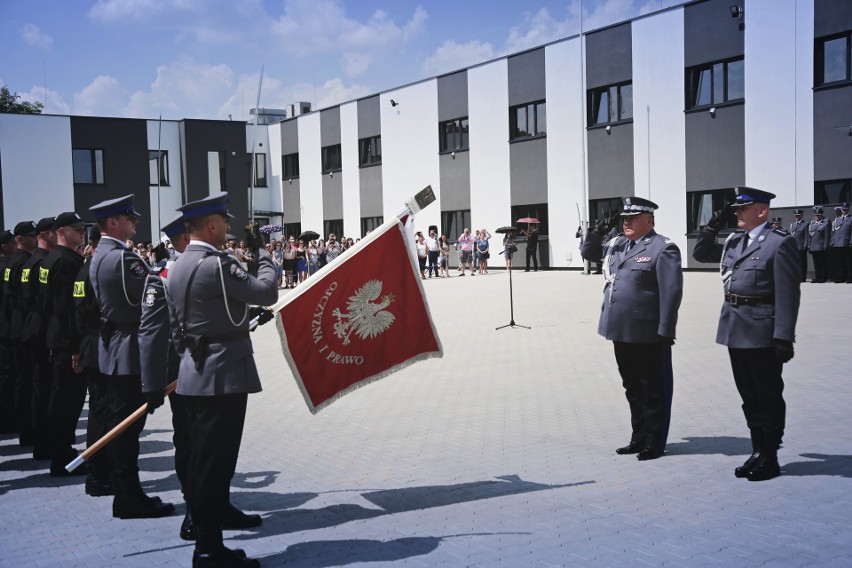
{"points": [[643, 288], [841, 232], [118, 277], [767, 269], [216, 308], [819, 235], [157, 352], [799, 231]]}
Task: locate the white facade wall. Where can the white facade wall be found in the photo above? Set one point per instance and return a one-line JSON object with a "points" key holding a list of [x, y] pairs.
{"points": [[778, 111], [274, 171], [310, 172], [351, 172], [565, 133], [265, 198], [488, 109], [165, 135], [410, 150], [659, 123], [38, 176]]}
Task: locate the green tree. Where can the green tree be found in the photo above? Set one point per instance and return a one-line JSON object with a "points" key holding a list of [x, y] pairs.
{"points": [[9, 103]]}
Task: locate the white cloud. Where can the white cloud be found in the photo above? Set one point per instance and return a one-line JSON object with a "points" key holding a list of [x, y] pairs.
{"points": [[452, 55], [355, 64], [33, 35], [52, 100], [183, 89], [102, 97]]}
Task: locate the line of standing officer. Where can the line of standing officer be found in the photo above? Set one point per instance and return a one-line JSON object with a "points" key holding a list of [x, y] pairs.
{"points": [[118, 280], [819, 239], [760, 275], [8, 424], [799, 231], [840, 253]]}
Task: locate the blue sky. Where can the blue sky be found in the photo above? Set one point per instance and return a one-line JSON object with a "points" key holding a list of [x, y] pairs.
{"points": [[202, 58]]}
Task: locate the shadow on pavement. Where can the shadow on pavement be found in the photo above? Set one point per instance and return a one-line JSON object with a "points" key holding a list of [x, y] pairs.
{"points": [[822, 464], [703, 445], [323, 553]]}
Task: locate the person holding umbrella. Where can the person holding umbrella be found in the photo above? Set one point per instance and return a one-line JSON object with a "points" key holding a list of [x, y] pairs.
{"points": [[532, 241]]}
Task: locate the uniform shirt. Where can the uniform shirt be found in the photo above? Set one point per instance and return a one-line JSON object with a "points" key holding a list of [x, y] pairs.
{"points": [[768, 268], [11, 293], [819, 235], [799, 231], [4, 314], [87, 317], [56, 296], [841, 231], [34, 323], [214, 305], [643, 289], [158, 355]]}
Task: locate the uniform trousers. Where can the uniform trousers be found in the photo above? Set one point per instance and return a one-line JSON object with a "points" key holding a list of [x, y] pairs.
{"points": [[214, 433], [837, 258], [124, 393], [820, 265], [7, 388], [847, 261], [646, 374], [24, 394], [66, 403], [97, 420], [42, 377], [179, 438], [757, 373], [803, 265]]}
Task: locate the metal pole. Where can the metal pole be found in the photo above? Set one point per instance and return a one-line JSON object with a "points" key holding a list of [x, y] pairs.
{"points": [[156, 230], [253, 142], [587, 266]]}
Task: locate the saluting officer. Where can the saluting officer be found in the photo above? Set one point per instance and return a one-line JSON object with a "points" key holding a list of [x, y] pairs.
{"points": [[841, 238], [209, 295], [799, 231], [642, 294], [56, 296], [819, 237], [8, 246], [760, 275], [118, 279]]}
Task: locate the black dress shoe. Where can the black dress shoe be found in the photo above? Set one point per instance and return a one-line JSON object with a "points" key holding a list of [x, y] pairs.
{"points": [[649, 454], [142, 509], [223, 558], [743, 470], [631, 448], [235, 519], [767, 467], [187, 528]]}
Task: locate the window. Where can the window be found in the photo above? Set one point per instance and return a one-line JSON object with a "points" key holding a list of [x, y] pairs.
{"points": [[527, 120], [834, 191], [290, 165], [291, 230], [608, 105], [536, 211], [454, 135], [333, 227], [715, 83], [259, 170], [216, 172], [158, 161], [88, 166], [603, 209], [331, 159], [454, 222], [832, 63], [370, 151], [700, 206], [370, 224]]}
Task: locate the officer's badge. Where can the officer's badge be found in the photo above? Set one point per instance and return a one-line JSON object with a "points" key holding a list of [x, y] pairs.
{"points": [[643, 259], [237, 272], [137, 268], [150, 296]]}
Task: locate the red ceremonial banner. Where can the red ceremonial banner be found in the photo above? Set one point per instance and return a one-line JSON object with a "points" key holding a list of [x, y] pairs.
{"points": [[359, 319]]}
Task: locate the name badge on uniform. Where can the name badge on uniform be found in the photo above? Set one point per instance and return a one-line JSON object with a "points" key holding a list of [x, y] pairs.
{"points": [[642, 259]]}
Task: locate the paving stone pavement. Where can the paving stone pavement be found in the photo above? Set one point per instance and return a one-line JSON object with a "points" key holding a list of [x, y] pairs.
{"points": [[499, 454]]}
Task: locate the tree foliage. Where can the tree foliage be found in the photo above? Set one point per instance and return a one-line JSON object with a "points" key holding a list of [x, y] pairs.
{"points": [[9, 103]]}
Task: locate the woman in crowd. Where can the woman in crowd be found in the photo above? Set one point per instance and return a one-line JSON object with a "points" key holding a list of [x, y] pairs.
{"points": [[313, 258], [278, 261], [302, 261], [509, 248], [289, 264], [321, 258], [482, 250], [444, 256], [421, 253]]}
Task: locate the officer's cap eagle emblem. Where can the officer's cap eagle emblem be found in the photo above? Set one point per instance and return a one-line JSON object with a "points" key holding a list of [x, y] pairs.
{"points": [[364, 318]]}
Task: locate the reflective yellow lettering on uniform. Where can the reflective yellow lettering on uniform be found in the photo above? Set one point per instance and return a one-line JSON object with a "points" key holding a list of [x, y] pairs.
{"points": [[25, 275], [6, 274], [80, 289], [42, 274]]}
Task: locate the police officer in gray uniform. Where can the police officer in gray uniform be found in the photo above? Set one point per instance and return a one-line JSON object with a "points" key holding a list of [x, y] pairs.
{"points": [[118, 279], [799, 231], [209, 294], [760, 276], [819, 237], [642, 294], [841, 235]]}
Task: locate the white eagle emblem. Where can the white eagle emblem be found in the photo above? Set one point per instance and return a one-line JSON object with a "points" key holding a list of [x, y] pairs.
{"points": [[364, 318]]}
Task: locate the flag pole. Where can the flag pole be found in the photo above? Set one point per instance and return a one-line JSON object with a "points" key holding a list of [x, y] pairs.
{"points": [[112, 434], [253, 143]]}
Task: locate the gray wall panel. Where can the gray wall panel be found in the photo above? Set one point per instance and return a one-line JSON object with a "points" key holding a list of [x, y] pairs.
{"points": [[832, 16], [526, 77], [452, 96], [369, 117], [715, 149], [291, 201], [832, 145], [371, 191], [289, 137], [711, 33], [528, 171], [609, 56], [332, 197], [330, 127], [455, 181], [610, 162]]}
